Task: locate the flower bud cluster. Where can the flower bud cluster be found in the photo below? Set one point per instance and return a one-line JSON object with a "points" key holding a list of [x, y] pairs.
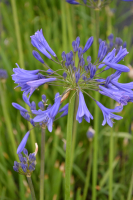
{"points": [[27, 163]]}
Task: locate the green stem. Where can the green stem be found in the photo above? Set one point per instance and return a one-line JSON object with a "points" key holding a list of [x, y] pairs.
{"points": [[129, 197], [111, 147], [68, 145], [74, 131], [110, 164], [88, 173], [95, 33], [31, 188], [42, 165]]}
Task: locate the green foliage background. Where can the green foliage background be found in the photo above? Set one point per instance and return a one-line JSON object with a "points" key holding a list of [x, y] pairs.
{"points": [[61, 24]]}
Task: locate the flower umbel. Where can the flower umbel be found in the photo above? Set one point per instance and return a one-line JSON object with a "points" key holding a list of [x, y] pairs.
{"points": [[27, 162], [84, 76], [79, 75]]}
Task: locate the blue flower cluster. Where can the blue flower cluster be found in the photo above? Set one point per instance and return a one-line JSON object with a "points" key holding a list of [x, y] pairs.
{"points": [[114, 43], [79, 75], [27, 163], [43, 117]]}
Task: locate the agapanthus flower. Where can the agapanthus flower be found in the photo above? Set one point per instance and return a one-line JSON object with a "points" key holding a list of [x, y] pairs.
{"points": [[43, 117], [96, 4], [81, 77], [84, 77], [29, 80], [47, 117], [27, 162]]}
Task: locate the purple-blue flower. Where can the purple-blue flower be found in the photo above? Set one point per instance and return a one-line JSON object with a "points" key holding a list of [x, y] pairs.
{"points": [[41, 44], [108, 114], [47, 117], [83, 111], [29, 80], [27, 163], [64, 109]]}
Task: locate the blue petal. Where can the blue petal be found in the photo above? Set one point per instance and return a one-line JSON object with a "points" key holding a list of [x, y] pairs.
{"points": [[119, 67], [23, 143], [37, 83], [17, 106]]}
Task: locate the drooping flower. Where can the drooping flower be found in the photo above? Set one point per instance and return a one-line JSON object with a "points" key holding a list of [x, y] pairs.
{"points": [[47, 117], [108, 114], [83, 111]]}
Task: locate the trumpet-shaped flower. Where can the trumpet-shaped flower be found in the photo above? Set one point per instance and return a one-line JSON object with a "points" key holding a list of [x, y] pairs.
{"points": [[83, 111], [47, 117], [108, 114], [29, 80], [41, 44]]}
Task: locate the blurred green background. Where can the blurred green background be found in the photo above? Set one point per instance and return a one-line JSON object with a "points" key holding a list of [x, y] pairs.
{"points": [[61, 24]]}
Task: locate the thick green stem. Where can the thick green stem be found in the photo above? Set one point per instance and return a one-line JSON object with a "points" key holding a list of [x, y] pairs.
{"points": [[68, 145], [42, 165], [95, 33], [74, 131], [31, 188], [88, 173], [110, 164], [111, 147]]}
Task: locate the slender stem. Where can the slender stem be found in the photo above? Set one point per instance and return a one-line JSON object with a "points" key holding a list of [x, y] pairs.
{"points": [[68, 145], [129, 197], [111, 153], [88, 173], [74, 130], [42, 165], [31, 188], [95, 32], [110, 164]]}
